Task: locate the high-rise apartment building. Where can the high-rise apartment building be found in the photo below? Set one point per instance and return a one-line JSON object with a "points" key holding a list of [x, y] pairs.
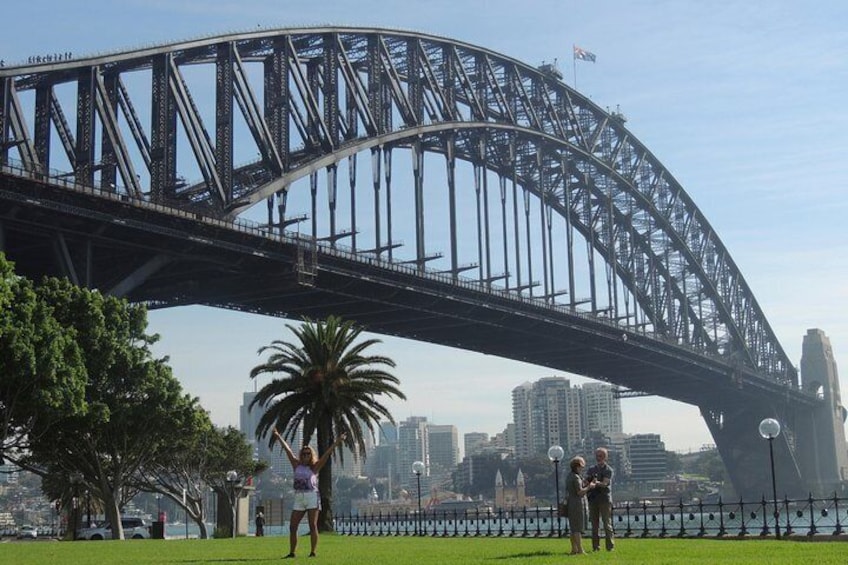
{"points": [[413, 445], [601, 409], [552, 412], [522, 417], [545, 413]]}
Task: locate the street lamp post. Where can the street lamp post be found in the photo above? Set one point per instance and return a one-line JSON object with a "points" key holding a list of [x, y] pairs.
{"points": [[213, 503], [418, 469], [555, 454], [232, 479], [770, 429]]}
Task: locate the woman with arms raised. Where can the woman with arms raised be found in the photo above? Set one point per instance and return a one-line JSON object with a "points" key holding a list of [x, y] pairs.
{"points": [[307, 500]]}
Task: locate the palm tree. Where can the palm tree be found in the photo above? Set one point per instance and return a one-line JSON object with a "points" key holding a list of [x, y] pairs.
{"points": [[329, 387]]}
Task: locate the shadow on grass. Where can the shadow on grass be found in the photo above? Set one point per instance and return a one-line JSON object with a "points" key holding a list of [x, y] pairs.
{"points": [[224, 560], [529, 554]]}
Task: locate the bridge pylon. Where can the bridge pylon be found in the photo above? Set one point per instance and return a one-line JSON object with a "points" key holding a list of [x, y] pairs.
{"points": [[811, 453], [824, 457]]}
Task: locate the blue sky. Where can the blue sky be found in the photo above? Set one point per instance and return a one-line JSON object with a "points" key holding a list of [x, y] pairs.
{"points": [[744, 102]]}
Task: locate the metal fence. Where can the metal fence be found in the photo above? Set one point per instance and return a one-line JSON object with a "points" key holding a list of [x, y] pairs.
{"points": [[808, 517]]}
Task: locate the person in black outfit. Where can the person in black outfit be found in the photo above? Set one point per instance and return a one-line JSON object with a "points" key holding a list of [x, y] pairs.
{"points": [[600, 500], [260, 524]]}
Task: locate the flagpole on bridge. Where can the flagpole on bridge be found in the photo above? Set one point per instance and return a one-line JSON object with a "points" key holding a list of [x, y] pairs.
{"points": [[583, 55], [574, 63]]}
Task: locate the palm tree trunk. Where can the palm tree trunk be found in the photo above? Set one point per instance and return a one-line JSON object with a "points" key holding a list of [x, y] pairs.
{"points": [[325, 479]]}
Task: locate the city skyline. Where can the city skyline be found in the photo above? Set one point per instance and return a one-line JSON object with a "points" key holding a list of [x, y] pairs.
{"points": [[742, 103]]}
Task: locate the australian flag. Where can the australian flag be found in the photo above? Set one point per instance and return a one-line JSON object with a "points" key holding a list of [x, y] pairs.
{"points": [[583, 55]]}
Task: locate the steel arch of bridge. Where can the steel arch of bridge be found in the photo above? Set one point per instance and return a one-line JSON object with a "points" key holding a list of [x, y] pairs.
{"points": [[548, 170], [330, 93]]}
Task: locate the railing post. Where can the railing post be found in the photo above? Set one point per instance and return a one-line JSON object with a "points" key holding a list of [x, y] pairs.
{"points": [[554, 522], [838, 529], [644, 519], [524, 521], [701, 531], [813, 530], [628, 532], [538, 524], [682, 532], [721, 529], [788, 529], [663, 531], [435, 524], [765, 531], [742, 530]]}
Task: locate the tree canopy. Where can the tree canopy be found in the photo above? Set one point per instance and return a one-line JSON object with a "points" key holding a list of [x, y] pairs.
{"points": [[329, 386], [42, 374]]}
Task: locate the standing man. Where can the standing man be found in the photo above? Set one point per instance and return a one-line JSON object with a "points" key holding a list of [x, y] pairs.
{"points": [[260, 524], [600, 500]]}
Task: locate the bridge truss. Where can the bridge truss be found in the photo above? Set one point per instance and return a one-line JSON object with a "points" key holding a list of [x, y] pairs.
{"points": [[535, 202]]}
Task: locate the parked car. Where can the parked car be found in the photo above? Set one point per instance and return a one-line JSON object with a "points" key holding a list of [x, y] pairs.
{"points": [[27, 532], [134, 528]]}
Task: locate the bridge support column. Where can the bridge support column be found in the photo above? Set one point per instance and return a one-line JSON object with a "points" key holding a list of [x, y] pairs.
{"points": [[734, 427], [821, 445]]}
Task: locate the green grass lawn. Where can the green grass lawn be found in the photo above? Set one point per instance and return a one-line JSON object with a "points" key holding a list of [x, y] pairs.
{"points": [[340, 550]]}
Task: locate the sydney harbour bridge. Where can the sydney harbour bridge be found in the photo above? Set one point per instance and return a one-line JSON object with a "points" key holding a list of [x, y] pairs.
{"points": [[422, 186]]}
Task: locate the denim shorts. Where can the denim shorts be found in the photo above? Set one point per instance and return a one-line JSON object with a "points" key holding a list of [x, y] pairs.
{"points": [[306, 500]]}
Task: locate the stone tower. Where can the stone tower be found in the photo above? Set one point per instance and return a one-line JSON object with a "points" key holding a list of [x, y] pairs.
{"points": [[827, 462]]}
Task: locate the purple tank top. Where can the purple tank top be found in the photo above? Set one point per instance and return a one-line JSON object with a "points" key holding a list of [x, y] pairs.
{"points": [[305, 479]]}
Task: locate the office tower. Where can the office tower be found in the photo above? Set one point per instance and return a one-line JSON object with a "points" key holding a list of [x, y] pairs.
{"points": [[474, 442], [443, 443], [248, 420], [647, 456], [387, 433]]}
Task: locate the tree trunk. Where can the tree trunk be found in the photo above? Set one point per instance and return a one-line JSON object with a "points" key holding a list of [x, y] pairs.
{"points": [[113, 515], [325, 486], [325, 480]]}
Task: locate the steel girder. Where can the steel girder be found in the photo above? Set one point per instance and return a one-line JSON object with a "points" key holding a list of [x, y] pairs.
{"points": [[330, 93]]}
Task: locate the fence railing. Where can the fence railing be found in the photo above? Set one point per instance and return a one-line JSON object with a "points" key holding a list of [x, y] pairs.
{"points": [[809, 517]]}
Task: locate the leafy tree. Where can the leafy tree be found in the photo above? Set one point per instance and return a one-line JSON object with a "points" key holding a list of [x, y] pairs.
{"points": [[229, 450], [41, 369], [194, 462], [348, 489], [329, 386], [673, 463], [475, 476], [135, 406], [710, 464]]}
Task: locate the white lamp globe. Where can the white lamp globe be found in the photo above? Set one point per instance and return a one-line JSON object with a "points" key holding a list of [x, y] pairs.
{"points": [[769, 428], [556, 453]]}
